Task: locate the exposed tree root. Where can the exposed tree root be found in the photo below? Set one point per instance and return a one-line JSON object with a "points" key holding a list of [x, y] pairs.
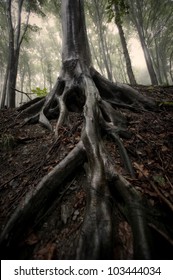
{"points": [[39, 200], [133, 208], [95, 241], [98, 223], [121, 95]]}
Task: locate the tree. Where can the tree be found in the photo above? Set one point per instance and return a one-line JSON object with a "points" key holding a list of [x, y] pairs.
{"points": [[16, 32], [137, 11], [97, 13], [117, 9], [158, 30], [82, 89], [15, 41], [3, 52]]}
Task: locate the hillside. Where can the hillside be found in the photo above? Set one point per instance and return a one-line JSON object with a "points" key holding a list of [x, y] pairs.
{"points": [[28, 152]]}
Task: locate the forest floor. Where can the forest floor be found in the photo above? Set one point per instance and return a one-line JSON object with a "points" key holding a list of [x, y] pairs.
{"points": [[28, 152]]}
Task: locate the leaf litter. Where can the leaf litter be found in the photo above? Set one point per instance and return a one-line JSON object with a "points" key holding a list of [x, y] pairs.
{"points": [[29, 152]]}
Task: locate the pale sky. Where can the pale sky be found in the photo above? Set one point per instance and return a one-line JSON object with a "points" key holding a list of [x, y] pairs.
{"points": [[134, 47], [137, 55]]}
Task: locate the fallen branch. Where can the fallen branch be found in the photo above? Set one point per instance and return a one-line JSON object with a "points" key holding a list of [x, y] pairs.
{"points": [[27, 94], [166, 201]]}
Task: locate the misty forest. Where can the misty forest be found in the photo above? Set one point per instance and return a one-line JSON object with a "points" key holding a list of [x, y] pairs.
{"points": [[86, 129]]}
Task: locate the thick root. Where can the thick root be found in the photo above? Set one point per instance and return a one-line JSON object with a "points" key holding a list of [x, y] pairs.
{"points": [[96, 234], [38, 200], [121, 95], [132, 206]]}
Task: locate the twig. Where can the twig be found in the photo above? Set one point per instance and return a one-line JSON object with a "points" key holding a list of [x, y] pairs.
{"points": [[168, 203], [161, 233], [169, 181], [27, 94], [18, 174]]}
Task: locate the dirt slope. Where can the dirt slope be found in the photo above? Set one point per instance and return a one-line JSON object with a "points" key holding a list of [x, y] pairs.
{"points": [[28, 152]]}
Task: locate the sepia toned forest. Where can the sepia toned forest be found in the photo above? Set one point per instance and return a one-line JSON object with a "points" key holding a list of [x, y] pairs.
{"points": [[86, 129]]}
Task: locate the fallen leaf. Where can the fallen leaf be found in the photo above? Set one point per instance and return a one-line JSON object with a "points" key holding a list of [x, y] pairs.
{"points": [[164, 149], [46, 253], [32, 239], [141, 170]]}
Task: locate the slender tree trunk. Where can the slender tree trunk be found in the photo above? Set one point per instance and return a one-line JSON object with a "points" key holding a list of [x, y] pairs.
{"points": [[12, 76], [124, 46], [108, 57], [156, 62], [43, 72], [11, 57], [4, 92], [102, 41], [22, 75], [171, 66], [29, 77], [96, 57], [147, 57], [138, 21], [122, 69], [164, 70], [15, 40]]}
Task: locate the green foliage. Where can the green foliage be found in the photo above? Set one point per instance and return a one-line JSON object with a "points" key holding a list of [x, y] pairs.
{"points": [[40, 92], [36, 6], [30, 28], [117, 9], [53, 7], [166, 104], [34, 27], [160, 180]]}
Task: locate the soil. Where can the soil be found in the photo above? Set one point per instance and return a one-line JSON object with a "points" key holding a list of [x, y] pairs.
{"points": [[29, 152]]}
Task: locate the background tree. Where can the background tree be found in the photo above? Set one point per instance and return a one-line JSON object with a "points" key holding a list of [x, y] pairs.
{"points": [[97, 13], [17, 29], [15, 40], [137, 14], [158, 30], [3, 52], [117, 9], [153, 22]]}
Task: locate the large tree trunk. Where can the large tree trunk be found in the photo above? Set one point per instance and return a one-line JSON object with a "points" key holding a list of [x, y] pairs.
{"points": [[81, 88], [75, 47]]}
